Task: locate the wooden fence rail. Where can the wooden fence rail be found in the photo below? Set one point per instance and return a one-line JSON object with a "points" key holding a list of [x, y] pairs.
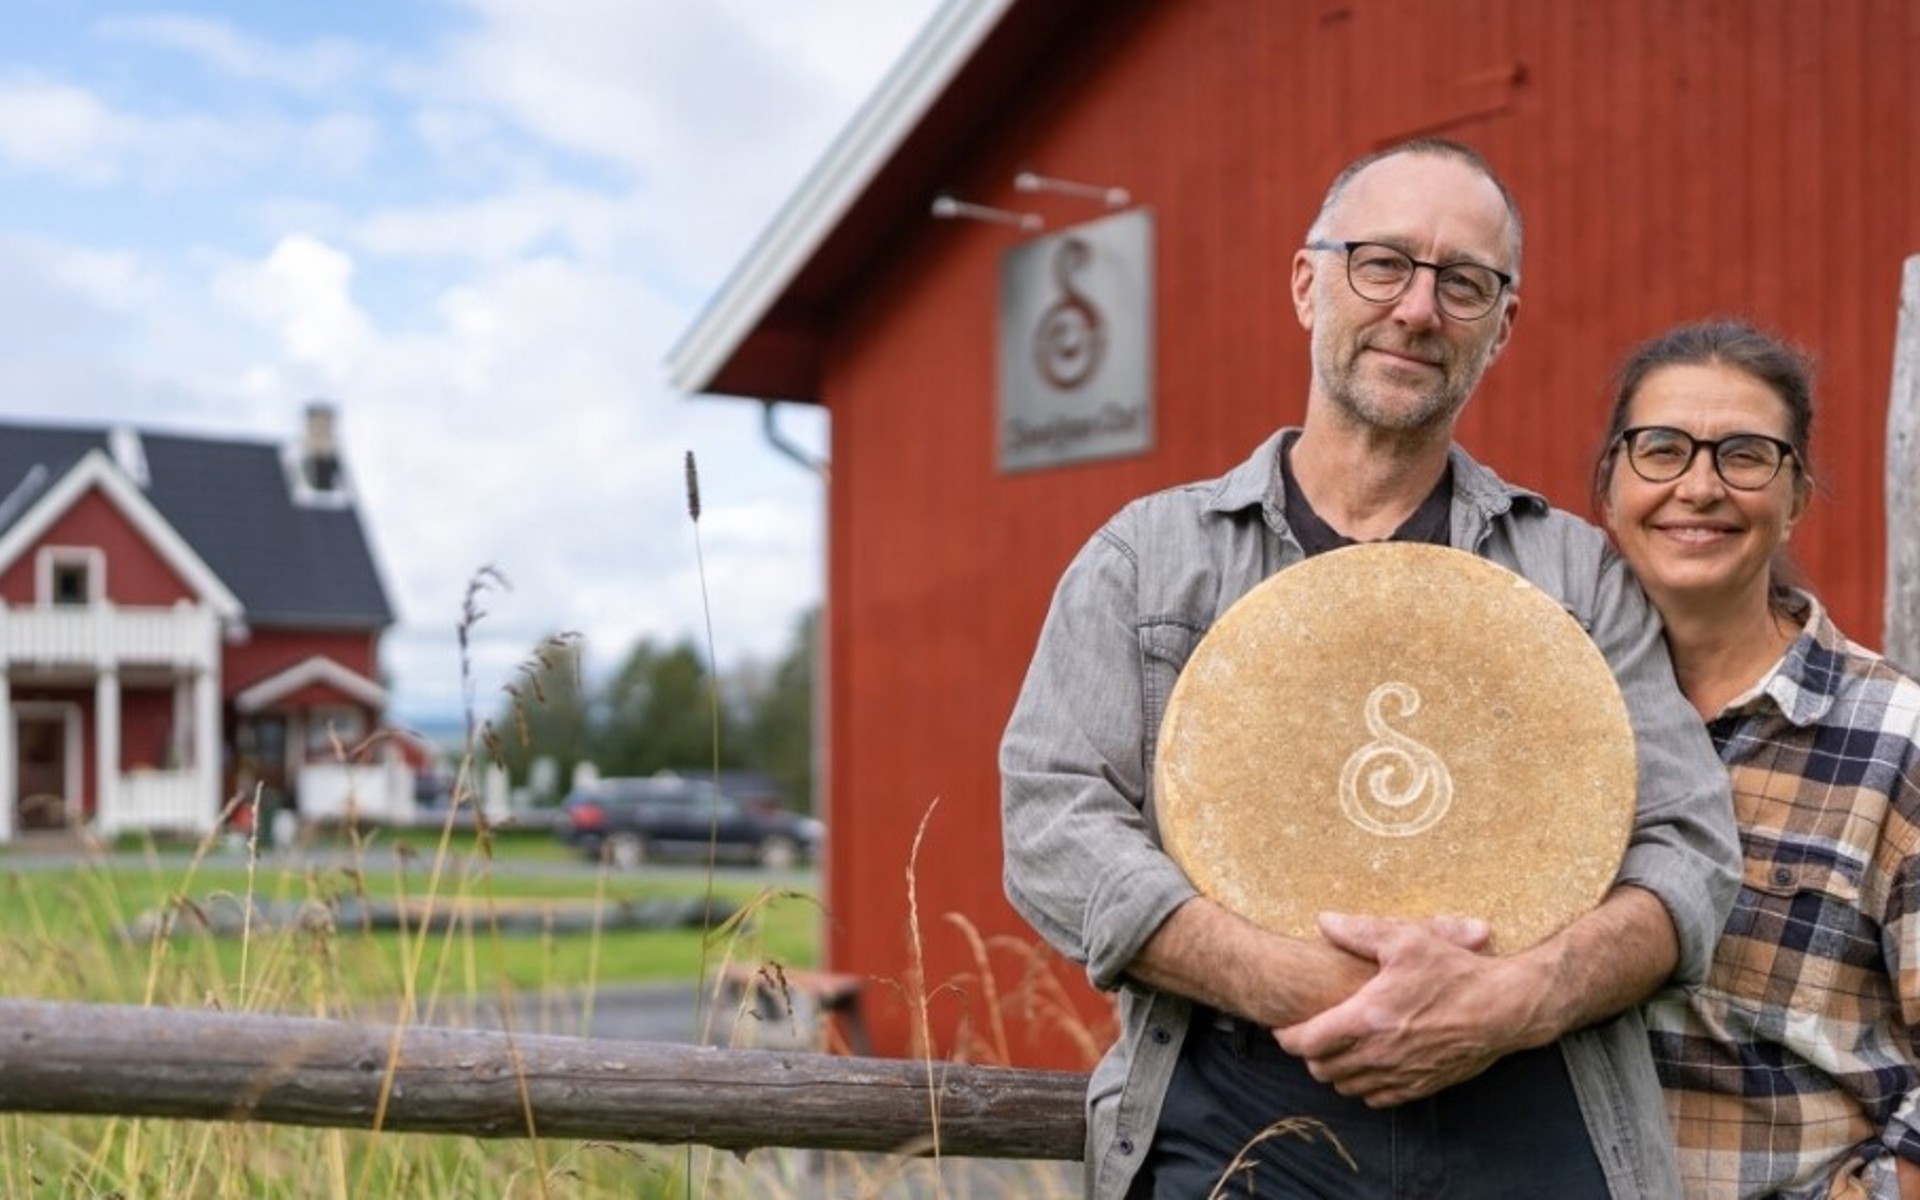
{"points": [[144, 1062]]}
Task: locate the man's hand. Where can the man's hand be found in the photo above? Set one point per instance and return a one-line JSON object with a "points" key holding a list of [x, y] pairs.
{"points": [[1436, 1013], [1209, 954]]}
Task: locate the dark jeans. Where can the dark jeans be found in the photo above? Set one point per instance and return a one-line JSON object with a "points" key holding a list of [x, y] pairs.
{"points": [[1514, 1131]]}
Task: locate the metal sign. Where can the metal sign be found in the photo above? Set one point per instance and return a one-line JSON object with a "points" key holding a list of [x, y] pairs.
{"points": [[1076, 344]]}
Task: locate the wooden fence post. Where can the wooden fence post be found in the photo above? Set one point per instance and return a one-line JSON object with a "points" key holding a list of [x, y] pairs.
{"points": [[150, 1062], [1902, 633]]}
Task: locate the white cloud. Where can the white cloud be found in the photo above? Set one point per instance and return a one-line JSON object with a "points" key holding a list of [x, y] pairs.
{"points": [[506, 225], [58, 330], [303, 290], [337, 144], [579, 75], [59, 129], [843, 45], [715, 109], [319, 66], [111, 280]]}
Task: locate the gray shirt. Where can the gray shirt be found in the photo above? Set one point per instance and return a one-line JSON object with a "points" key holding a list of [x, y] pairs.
{"points": [[1083, 861]]}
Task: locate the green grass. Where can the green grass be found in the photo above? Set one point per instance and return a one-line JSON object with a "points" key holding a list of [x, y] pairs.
{"points": [[75, 933], [72, 932], [507, 842], [68, 934]]}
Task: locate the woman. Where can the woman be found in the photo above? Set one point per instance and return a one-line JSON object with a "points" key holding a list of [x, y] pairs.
{"points": [[1793, 1070]]}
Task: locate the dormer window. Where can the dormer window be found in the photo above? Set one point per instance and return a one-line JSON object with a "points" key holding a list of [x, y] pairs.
{"points": [[316, 476], [322, 472]]}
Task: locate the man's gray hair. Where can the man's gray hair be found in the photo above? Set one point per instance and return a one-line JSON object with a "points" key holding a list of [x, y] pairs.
{"points": [[1435, 147]]}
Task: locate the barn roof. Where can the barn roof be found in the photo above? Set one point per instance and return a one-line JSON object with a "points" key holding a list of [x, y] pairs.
{"points": [[759, 336]]}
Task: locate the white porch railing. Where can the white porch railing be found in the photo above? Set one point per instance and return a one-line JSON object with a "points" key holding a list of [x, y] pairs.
{"points": [[381, 792], [106, 635], [160, 800]]}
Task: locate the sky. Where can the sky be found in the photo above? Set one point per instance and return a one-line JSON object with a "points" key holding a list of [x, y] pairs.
{"points": [[477, 227]]}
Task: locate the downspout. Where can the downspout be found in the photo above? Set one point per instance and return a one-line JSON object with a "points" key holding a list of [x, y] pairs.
{"points": [[821, 760], [819, 466], [785, 445]]}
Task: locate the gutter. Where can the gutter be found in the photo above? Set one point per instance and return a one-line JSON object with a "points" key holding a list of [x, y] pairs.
{"points": [[787, 446]]}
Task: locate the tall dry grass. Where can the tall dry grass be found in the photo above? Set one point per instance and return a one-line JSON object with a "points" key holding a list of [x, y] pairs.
{"points": [[86, 934], [80, 936], [318, 966]]}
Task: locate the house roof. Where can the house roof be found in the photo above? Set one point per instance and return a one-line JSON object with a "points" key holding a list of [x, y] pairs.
{"points": [[96, 471], [234, 502], [760, 335]]}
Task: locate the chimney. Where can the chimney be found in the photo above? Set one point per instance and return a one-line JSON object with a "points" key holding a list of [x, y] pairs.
{"points": [[320, 453]]}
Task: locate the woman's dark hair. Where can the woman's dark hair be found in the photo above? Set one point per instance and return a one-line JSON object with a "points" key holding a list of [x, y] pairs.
{"points": [[1776, 364]]}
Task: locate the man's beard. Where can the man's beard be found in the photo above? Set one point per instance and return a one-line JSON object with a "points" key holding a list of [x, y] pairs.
{"points": [[1367, 402]]}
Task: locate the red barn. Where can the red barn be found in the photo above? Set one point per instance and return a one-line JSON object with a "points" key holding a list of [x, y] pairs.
{"points": [[1672, 158], [183, 620]]}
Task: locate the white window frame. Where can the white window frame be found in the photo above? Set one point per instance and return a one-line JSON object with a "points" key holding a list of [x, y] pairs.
{"points": [[50, 559]]}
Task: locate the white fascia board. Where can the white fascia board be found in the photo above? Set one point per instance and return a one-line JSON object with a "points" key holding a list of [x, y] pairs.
{"points": [[97, 470], [896, 107], [318, 669]]}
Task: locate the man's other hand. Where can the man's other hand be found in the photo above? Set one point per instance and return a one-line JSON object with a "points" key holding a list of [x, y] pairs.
{"points": [[1437, 1013]]}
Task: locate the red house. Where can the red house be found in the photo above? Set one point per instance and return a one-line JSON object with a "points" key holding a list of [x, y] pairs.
{"points": [[1672, 160], [184, 620]]}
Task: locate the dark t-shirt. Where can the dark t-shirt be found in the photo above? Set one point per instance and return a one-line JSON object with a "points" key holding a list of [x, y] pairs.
{"points": [[1432, 522]]}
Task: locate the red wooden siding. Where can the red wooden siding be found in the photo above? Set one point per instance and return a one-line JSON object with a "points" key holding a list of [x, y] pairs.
{"points": [[146, 728], [136, 574], [268, 652], [1672, 159], [318, 695]]}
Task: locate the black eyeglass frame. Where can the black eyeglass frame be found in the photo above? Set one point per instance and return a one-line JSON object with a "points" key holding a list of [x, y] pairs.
{"points": [[1505, 278], [1712, 446]]}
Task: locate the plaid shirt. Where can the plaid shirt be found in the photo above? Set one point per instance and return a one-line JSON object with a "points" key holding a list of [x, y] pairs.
{"points": [[1793, 1070]]}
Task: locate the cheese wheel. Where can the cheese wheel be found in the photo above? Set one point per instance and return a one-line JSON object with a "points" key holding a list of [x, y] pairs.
{"points": [[1403, 730]]}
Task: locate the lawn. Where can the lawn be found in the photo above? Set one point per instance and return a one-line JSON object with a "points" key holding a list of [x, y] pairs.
{"points": [[128, 928], [131, 927]]}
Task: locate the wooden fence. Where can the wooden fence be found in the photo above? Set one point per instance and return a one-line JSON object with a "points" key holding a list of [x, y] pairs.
{"points": [[146, 1062]]}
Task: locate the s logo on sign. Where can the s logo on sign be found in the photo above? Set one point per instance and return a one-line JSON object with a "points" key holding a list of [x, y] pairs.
{"points": [[1071, 337]]}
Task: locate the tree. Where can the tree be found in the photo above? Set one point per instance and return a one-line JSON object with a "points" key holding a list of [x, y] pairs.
{"points": [[779, 733], [658, 712], [545, 713]]}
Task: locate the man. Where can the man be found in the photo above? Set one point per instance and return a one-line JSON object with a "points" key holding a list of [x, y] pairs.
{"points": [[1437, 1069]]}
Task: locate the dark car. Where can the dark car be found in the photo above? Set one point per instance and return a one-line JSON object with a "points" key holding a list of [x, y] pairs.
{"points": [[629, 821]]}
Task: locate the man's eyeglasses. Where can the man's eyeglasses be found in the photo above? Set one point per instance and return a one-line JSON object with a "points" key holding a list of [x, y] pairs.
{"points": [[1380, 274], [1746, 461]]}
